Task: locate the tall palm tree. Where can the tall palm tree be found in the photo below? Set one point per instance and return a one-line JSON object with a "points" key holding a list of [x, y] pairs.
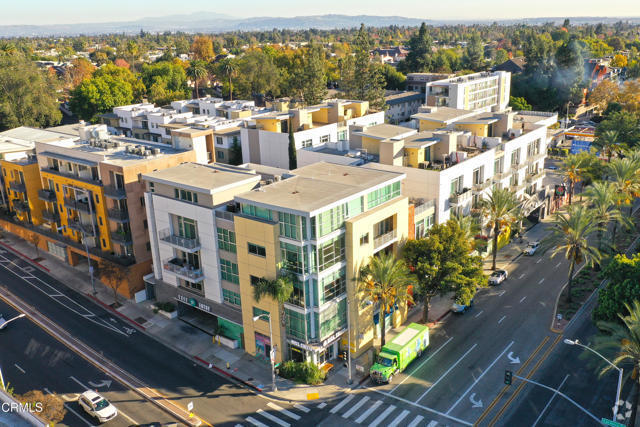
{"points": [[603, 205], [229, 68], [573, 171], [624, 174], [570, 235], [469, 227], [279, 289], [197, 70], [7, 48], [501, 209], [624, 340], [608, 143], [385, 281]]}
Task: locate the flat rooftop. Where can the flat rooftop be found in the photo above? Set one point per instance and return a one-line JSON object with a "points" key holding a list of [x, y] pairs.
{"points": [[386, 131], [421, 140], [316, 186], [444, 115], [207, 178]]}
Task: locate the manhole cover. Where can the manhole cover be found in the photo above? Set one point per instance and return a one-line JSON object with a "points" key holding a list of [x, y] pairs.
{"points": [[141, 320]]}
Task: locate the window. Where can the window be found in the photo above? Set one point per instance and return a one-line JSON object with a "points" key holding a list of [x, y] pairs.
{"points": [[229, 271], [148, 246], [342, 135], [333, 319], [230, 297], [364, 239], [257, 212], [292, 257], [97, 199], [333, 286], [219, 154], [324, 138], [187, 228], [254, 280], [383, 227], [330, 220], [145, 224], [382, 195], [151, 188], [296, 324], [185, 195], [257, 250], [331, 253], [104, 244], [288, 225], [307, 143], [226, 240], [142, 201], [260, 312], [515, 157], [219, 140]]}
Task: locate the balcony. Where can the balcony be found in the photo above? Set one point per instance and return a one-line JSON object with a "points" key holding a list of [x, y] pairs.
{"points": [[501, 175], [118, 215], [384, 239], [47, 195], [84, 227], [183, 243], [535, 157], [87, 180], [50, 216], [18, 186], [518, 166], [481, 186], [78, 205], [227, 216], [115, 193], [516, 187], [20, 206], [460, 198], [121, 237], [531, 177], [183, 270], [421, 206]]}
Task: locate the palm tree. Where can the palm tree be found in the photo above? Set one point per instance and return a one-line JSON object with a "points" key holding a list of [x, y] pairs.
{"points": [[469, 226], [197, 71], [570, 235], [624, 174], [608, 143], [7, 48], [279, 289], [573, 170], [229, 69], [501, 209], [624, 340], [385, 281], [603, 205]]}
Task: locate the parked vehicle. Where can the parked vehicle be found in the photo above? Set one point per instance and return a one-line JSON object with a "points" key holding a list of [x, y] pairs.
{"points": [[531, 248], [461, 308], [396, 355], [498, 277], [97, 406]]}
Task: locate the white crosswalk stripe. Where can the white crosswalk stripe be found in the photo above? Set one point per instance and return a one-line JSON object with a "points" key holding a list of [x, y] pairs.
{"points": [[304, 408], [355, 407], [341, 404], [284, 411], [369, 411], [255, 422], [322, 405], [432, 424], [399, 418], [272, 418], [382, 416], [416, 421]]}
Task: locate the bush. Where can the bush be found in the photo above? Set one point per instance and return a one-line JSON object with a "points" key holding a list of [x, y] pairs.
{"points": [[302, 372], [169, 307], [564, 152]]}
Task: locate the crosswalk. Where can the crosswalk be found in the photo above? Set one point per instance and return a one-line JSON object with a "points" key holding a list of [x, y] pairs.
{"points": [[353, 409]]}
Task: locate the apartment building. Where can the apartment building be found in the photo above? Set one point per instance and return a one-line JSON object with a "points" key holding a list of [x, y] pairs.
{"points": [[485, 91], [265, 138], [417, 82], [402, 105]]}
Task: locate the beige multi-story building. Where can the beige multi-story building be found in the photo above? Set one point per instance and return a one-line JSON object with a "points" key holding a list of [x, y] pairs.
{"points": [[486, 91]]}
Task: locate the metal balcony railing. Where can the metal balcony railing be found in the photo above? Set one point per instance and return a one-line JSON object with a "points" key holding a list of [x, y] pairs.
{"points": [[58, 172], [118, 215], [384, 238], [121, 237], [85, 227], [183, 269], [21, 206], [78, 205], [184, 243], [480, 186], [224, 215], [535, 176], [47, 195], [115, 193], [18, 186], [50, 216], [423, 207]]}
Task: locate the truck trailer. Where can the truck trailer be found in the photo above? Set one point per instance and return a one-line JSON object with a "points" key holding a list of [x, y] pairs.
{"points": [[396, 355]]}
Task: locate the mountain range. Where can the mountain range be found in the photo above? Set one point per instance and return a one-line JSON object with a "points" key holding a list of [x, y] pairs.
{"points": [[209, 22]]}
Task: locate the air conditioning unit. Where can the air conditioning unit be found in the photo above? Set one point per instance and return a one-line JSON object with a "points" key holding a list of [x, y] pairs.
{"points": [[277, 178]]}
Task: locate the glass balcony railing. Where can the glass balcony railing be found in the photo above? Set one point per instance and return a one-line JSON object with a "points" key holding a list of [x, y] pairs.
{"points": [[183, 269], [184, 243]]}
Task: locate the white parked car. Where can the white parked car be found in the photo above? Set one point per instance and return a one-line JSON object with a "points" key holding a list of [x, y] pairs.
{"points": [[531, 248], [97, 406], [498, 277]]}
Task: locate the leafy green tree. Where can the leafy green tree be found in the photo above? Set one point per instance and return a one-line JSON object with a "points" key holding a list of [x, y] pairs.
{"points": [[314, 81], [603, 204], [385, 282], [474, 54], [608, 142], [623, 274], [27, 95], [570, 235], [418, 59], [501, 209], [165, 82], [394, 80], [502, 56], [235, 153], [519, 103], [293, 155], [625, 123], [442, 263], [197, 71], [469, 227], [257, 75]]}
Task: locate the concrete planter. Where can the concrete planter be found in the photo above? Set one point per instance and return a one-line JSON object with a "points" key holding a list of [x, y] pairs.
{"points": [[169, 315]]}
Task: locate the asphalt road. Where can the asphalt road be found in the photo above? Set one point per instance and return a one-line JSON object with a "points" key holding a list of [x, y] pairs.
{"points": [[31, 359], [179, 379]]}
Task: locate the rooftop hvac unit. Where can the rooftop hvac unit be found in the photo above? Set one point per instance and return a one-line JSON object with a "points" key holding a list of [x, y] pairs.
{"points": [[156, 151], [277, 178]]}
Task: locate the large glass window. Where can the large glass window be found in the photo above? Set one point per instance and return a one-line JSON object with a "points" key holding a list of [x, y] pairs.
{"points": [[291, 256], [355, 207], [260, 312], [333, 319], [229, 271], [297, 296], [257, 250], [330, 220], [333, 286], [331, 253], [231, 297], [296, 324], [288, 225], [257, 212], [187, 228], [382, 195], [226, 240]]}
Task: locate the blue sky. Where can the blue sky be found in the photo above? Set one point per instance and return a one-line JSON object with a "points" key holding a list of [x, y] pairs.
{"points": [[69, 11]]}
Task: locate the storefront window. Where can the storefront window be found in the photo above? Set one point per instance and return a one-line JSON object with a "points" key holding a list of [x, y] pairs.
{"points": [[296, 324], [333, 319]]}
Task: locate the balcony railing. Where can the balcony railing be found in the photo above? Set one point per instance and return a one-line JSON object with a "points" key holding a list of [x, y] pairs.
{"points": [[535, 157], [516, 187], [85, 227], [18, 186], [480, 186], [535, 176], [121, 237], [77, 205], [50, 216], [224, 215], [47, 195], [183, 269], [420, 208], [87, 180], [21, 206], [460, 198], [118, 215], [384, 238], [115, 193], [518, 166], [184, 243], [501, 175]]}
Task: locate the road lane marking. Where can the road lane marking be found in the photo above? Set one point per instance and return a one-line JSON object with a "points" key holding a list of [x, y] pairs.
{"points": [[501, 319], [558, 264], [480, 377], [341, 404], [382, 416], [446, 373], [72, 410], [549, 402], [540, 281], [322, 405], [19, 368], [272, 418], [432, 424], [119, 410], [399, 418], [539, 261], [478, 315], [255, 422], [417, 421], [304, 408], [523, 298], [501, 293], [284, 411], [355, 407], [423, 362], [369, 411], [521, 276]]}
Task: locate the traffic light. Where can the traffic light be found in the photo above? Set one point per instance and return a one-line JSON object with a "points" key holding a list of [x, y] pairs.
{"points": [[508, 375]]}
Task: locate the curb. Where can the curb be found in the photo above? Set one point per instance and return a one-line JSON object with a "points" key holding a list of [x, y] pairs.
{"points": [[223, 372], [439, 319], [25, 257], [108, 307]]}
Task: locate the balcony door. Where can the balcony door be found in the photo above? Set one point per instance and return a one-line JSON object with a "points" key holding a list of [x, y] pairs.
{"points": [[187, 228]]}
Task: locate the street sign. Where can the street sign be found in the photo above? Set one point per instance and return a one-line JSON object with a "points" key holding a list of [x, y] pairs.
{"points": [[190, 406], [608, 422]]}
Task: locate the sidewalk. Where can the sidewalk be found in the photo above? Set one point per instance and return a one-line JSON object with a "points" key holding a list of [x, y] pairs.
{"points": [[513, 250]]}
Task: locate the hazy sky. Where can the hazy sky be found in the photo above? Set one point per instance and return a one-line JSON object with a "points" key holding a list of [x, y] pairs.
{"points": [[21, 12]]}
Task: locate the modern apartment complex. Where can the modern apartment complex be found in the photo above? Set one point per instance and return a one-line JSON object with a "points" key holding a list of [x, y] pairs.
{"points": [[486, 91]]}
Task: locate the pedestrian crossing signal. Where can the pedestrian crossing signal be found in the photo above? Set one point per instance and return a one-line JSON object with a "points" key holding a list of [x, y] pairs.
{"points": [[508, 376]]}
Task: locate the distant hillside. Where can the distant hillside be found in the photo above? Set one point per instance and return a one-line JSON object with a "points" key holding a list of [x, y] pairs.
{"points": [[216, 23]]}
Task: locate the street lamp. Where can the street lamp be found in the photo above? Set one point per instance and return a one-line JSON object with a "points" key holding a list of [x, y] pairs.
{"points": [[350, 379], [566, 124], [615, 406], [86, 247], [272, 354], [4, 324]]}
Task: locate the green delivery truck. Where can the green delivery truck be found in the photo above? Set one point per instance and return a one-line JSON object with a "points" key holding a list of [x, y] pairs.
{"points": [[396, 355]]}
